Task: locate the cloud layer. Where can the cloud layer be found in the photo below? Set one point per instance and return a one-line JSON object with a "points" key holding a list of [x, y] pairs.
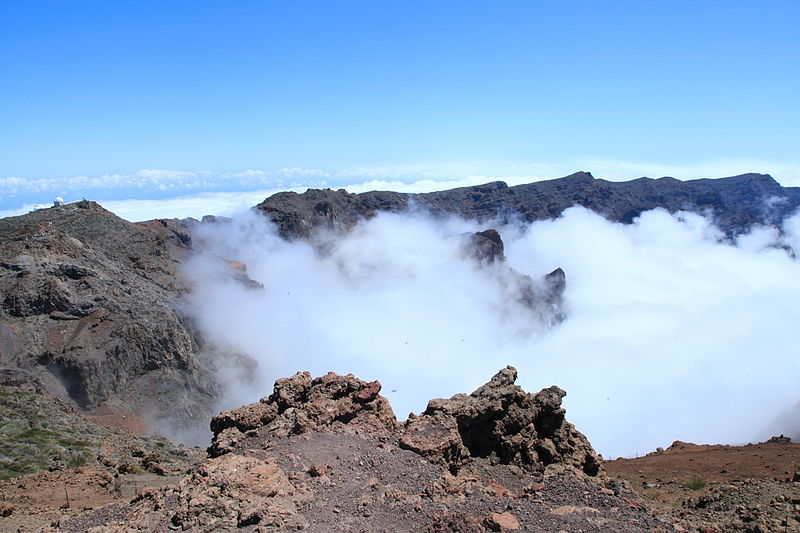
{"points": [[672, 333], [162, 188]]}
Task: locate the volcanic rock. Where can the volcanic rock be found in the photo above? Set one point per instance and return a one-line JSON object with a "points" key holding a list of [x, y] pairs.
{"points": [[543, 298], [300, 404], [89, 307], [502, 423], [735, 203], [486, 246], [326, 454]]}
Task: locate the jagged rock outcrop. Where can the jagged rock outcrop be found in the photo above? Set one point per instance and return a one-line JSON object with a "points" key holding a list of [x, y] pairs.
{"points": [[498, 422], [88, 307], [300, 404], [543, 298], [486, 247], [502, 423], [326, 454], [736, 203]]}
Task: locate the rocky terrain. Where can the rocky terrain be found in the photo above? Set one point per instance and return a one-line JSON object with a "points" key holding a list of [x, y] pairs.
{"points": [[88, 309], [93, 334], [55, 462], [717, 488], [736, 203], [327, 454]]}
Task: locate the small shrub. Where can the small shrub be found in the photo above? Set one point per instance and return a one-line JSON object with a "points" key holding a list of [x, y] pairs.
{"points": [[694, 483], [75, 460]]}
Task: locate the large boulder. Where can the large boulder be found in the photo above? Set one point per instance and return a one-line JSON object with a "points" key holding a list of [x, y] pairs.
{"points": [[502, 423], [300, 404]]}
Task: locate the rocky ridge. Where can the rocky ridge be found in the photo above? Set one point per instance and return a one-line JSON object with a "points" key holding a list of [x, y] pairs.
{"points": [[327, 454], [735, 203], [88, 308]]}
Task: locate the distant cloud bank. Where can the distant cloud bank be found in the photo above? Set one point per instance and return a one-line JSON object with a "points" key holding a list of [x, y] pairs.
{"points": [[160, 193]]}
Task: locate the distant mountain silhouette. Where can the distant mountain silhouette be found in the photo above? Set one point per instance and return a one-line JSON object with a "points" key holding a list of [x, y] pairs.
{"points": [[735, 203]]}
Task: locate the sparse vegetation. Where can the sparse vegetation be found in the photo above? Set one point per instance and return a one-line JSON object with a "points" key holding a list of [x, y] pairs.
{"points": [[694, 483], [39, 434], [76, 459]]}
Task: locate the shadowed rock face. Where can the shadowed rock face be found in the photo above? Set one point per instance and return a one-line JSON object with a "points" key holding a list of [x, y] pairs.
{"points": [[736, 203], [87, 307], [486, 247], [543, 298], [502, 423]]}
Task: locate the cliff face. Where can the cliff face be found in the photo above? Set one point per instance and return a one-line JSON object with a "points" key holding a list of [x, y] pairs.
{"points": [[735, 203], [87, 306]]}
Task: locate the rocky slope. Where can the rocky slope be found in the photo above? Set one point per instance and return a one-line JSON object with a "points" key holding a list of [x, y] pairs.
{"points": [[55, 462], [327, 454], [717, 489], [39, 433], [736, 203], [87, 307]]}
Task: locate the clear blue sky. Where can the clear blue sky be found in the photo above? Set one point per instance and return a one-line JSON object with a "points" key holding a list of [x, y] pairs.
{"points": [[95, 88]]}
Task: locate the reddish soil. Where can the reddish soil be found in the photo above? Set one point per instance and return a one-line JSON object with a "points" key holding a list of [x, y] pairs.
{"points": [[721, 488], [124, 420], [34, 502], [712, 463]]}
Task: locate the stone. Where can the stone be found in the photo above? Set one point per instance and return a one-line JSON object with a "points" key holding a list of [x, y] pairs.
{"points": [[503, 423], [502, 522]]}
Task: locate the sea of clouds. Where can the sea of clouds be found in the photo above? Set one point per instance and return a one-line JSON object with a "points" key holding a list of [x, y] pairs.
{"points": [[168, 193], [673, 331]]}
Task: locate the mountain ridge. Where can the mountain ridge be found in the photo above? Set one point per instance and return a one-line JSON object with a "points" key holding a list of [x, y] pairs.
{"points": [[735, 203]]}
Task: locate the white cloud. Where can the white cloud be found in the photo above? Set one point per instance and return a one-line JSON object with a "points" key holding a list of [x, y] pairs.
{"points": [[195, 206], [669, 327], [136, 189]]}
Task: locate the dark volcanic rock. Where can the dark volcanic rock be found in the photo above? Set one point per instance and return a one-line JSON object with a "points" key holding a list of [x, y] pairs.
{"points": [[300, 215], [503, 423], [736, 203], [499, 422], [486, 246], [543, 298], [87, 306]]}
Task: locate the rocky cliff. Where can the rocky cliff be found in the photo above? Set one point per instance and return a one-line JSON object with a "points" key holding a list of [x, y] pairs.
{"points": [[88, 307], [736, 203]]}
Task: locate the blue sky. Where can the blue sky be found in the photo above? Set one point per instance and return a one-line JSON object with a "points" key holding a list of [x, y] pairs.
{"points": [[155, 99]]}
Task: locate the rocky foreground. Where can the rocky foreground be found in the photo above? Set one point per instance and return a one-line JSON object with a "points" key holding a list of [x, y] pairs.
{"points": [[327, 454]]}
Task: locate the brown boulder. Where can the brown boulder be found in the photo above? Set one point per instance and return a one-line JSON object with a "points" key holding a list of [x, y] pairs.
{"points": [[504, 424], [300, 404]]}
